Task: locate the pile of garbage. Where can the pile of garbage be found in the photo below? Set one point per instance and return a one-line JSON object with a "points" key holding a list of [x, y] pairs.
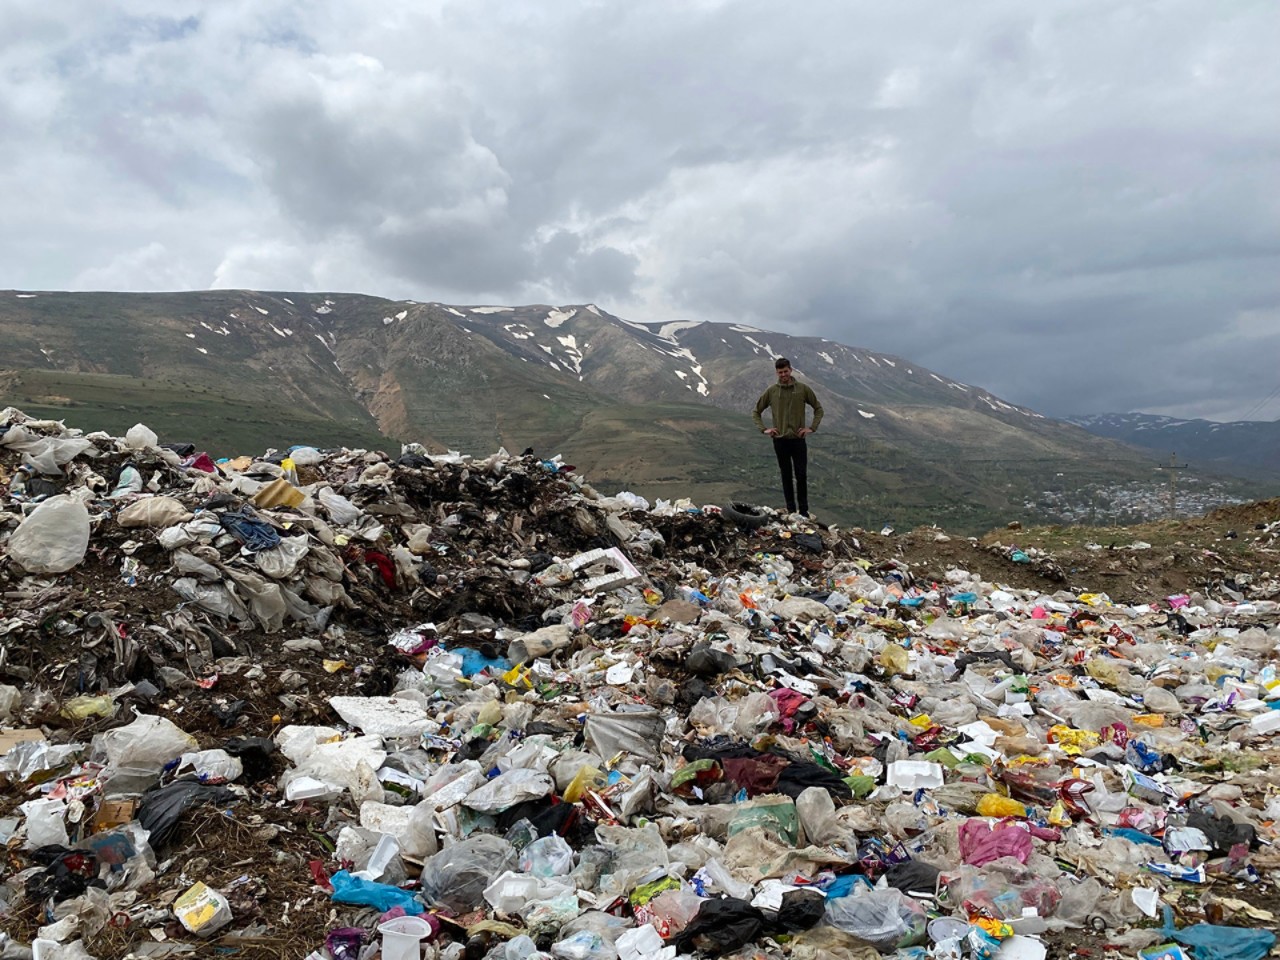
{"points": [[339, 704]]}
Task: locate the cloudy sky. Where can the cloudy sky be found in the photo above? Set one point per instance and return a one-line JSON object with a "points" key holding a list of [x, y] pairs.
{"points": [[1076, 205]]}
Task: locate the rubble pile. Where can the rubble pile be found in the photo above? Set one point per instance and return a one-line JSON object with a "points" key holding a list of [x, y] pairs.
{"points": [[335, 704]]}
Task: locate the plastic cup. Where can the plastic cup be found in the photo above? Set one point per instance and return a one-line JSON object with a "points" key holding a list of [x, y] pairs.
{"points": [[402, 938]]}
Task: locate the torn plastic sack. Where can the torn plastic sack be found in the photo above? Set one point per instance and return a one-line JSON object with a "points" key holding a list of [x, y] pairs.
{"points": [[44, 454], [153, 512], [774, 815], [1223, 832], [341, 510], [266, 600], [829, 943], [129, 481], [53, 538], [213, 597], [140, 437], [539, 643], [887, 919], [280, 561], [637, 732], [456, 877], [547, 857], [46, 823]]}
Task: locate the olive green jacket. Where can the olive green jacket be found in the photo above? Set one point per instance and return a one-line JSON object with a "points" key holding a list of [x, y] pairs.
{"points": [[787, 407]]}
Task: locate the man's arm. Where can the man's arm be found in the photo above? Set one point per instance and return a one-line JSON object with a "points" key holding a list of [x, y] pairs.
{"points": [[760, 405], [812, 400]]}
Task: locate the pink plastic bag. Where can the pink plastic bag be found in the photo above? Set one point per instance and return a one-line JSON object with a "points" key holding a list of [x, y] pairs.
{"points": [[981, 843]]}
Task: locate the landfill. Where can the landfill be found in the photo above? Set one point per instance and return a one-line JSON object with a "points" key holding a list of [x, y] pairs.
{"points": [[342, 704]]}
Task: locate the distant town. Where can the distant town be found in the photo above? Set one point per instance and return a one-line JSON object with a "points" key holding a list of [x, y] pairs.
{"points": [[1133, 502]]}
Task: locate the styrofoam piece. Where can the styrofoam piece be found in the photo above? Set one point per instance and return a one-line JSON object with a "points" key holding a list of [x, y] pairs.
{"points": [[915, 774], [386, 851], [395, 717], [308, 788], [622, 572], [643, 943], [1265, 723]]}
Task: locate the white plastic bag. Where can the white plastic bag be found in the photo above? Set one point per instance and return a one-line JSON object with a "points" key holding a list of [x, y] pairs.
{"points": [[140, 437], [305, 456], [507, 789], [147, 742], [212, 766], [547, 857], [45, 822], [342, 510], [53, 538]]}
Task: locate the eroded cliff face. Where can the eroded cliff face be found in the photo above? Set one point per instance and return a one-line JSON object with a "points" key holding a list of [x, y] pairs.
{"points": [[387, 406]]}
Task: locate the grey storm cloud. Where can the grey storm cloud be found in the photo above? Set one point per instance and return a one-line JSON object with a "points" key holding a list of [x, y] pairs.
{"points": [[1072, 205]]}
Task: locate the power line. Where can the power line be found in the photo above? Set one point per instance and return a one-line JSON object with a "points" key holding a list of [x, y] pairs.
{"points": [[1263, 402]]}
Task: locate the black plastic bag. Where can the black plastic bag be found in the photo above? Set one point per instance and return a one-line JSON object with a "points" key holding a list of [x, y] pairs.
{"points": [[1223, 832], [913, 876], [161, 808], [721, 926], [256, 756], [801, 909]]}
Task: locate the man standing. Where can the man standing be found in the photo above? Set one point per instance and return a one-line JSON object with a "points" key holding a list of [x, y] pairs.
{"points": [[786, 401]]}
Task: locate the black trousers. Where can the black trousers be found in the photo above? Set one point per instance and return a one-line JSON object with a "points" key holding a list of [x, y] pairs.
{"points": [[793, 458]]}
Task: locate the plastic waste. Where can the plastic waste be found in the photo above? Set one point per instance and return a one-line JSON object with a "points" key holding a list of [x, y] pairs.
{"points": [[53, 538], [547, 857], [721, 926], [148, 741], [886, 919], [1216, 942], [140, 437], [508, 789], [348, 888], [457, 876], [203, 910], [402, 937], [46, 822], [637, 732]]}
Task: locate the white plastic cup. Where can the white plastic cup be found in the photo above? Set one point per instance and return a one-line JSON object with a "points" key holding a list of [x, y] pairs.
{"points": [[402, 938]]}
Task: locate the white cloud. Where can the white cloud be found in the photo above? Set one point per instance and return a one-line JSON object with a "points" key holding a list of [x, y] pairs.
{"points": [[1066, 204]]}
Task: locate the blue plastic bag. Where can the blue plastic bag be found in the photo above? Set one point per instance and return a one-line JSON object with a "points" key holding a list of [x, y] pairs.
{"points": [[367, 893], [473, 662], [1211, 942]]}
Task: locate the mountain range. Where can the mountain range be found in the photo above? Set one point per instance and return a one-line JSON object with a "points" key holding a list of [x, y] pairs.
{"points": [[662, 409], [1247, 448]]}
